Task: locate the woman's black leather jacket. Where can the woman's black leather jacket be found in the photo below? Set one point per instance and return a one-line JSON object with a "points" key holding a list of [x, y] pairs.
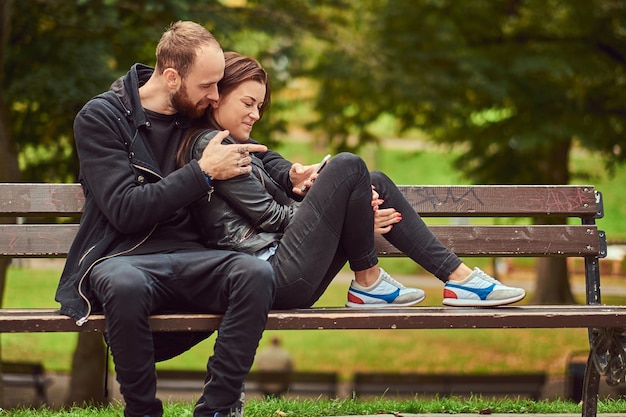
{"points": [[247, 213]]}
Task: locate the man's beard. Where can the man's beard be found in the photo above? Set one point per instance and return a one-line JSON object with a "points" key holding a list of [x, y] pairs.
{"points": [[182, 104]]}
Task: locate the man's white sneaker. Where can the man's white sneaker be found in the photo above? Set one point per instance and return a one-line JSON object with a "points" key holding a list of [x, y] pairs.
{"points": [[385, 292], [480, 290]]}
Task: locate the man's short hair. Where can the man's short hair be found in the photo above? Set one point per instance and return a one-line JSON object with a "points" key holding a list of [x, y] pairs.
{"points": [[179, 46]]}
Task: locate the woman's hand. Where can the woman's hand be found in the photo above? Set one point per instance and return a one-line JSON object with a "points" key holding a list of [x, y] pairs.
{"points": [[302, 178], [384, 218]]}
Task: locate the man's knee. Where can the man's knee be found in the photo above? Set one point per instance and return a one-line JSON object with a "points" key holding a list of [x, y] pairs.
{"points": [[119, 280]]}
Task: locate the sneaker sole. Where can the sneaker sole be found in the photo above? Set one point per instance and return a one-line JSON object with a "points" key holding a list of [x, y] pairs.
{"points": [[455, 302], [362, 306]]}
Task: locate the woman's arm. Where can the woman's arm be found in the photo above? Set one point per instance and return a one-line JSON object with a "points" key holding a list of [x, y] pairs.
{"points": [[248, 194], [250, 198]]}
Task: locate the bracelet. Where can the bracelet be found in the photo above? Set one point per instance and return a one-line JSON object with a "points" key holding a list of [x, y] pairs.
{"points": [[207, 177]]}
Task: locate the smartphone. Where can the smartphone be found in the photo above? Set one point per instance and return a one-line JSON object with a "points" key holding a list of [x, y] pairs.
{"points": [[322, 164], [319, 168]]}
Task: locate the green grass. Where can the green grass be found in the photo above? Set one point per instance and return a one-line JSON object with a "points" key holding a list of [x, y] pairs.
{"points": [[319, 408]]}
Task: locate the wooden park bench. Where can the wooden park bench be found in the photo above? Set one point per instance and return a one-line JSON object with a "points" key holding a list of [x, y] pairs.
{"points": [[38, 235], [29, 375], [295, 382], [387, 384]]}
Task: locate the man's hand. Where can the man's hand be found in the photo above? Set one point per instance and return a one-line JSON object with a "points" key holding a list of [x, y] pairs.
{"points": [[302, 177], [222, 162]]}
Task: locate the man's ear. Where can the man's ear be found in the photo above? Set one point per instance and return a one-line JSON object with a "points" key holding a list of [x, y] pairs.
{"points": [[172, 78]]}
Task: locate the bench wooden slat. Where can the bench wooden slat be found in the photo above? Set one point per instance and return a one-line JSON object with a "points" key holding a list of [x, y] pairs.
{"points": [[17, 199], [502, 200], [32, 241], [36, 240], [27, 375], [298, 382], [409, 384], [512, 241], [583, 316]]}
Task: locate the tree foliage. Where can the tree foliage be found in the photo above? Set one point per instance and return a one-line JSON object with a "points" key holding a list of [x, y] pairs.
{"points": [[58, 54], [512, 81], [515, 82]]}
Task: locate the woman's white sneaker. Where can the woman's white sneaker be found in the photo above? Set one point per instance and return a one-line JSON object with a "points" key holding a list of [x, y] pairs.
{"points": [[480, 290], [385, 292]]}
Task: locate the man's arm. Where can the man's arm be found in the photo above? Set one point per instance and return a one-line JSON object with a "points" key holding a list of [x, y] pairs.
{"points": [[132, 198]]}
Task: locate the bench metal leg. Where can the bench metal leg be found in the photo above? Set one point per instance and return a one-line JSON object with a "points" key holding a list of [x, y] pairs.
{"points": [[591, 387], [607, 356]]}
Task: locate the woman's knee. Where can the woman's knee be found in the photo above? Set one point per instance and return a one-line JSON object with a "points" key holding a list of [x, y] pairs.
{"points": [[347, 159], [380, 179], [296, 294]]}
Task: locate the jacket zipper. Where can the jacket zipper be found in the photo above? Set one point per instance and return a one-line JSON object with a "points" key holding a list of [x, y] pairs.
{"points": [[85, 318]]}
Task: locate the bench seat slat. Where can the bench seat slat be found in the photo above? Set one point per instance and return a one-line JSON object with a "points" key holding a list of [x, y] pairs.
{"points": [[583, 316], [576, 240]]}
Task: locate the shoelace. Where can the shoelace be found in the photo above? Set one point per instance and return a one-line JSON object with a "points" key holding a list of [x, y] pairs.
{"points": [[385, 276], [486, 277]]}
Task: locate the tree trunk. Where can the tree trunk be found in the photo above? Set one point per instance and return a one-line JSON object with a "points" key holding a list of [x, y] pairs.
{"points": [[88, 371], [4, 263], [552, 286], [9, 167]]}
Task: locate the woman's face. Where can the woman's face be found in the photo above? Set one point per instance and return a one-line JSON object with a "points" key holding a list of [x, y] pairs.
{"points": [[238, 111]]}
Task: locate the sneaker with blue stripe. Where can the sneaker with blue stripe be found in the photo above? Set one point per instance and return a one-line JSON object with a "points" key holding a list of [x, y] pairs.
{"points": [[480, 290], [385, 292]]}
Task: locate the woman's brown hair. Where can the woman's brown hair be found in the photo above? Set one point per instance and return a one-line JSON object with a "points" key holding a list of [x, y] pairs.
{"points": [[238, 70]]}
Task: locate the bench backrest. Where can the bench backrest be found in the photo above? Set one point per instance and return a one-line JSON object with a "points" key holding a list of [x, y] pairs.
{"points": [[47, 217]]}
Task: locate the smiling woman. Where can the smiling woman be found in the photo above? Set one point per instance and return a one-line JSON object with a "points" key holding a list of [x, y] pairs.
{"points": [[244, 95], [241, 109]]}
